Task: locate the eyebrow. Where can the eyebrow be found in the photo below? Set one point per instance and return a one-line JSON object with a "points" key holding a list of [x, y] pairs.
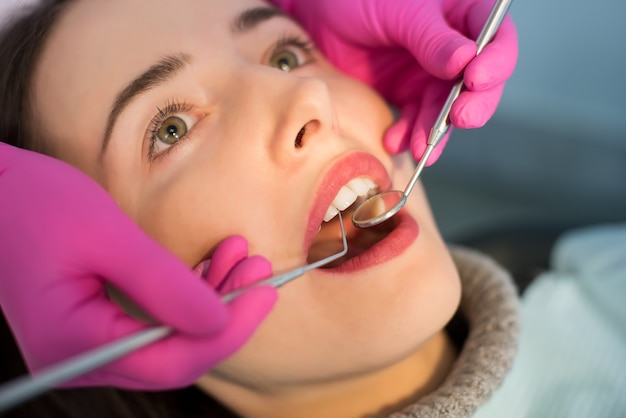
{"points": [[171, 65], [156, 75], [251, 18]]}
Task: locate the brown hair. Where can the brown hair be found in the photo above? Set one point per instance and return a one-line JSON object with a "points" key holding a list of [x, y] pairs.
{"points": [[21, 43]]}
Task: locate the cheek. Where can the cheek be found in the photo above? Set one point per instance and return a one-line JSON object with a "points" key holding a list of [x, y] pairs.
{"points": [[352, 100], [175, 223], [188, 209], [186, 212]]}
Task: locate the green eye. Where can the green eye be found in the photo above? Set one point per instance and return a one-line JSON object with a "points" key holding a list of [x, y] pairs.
{"points": [[285, 60], [172, 130]]}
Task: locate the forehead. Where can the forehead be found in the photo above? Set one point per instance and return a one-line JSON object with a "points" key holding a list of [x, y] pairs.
{"points": [[97, 46], [109, 28]]}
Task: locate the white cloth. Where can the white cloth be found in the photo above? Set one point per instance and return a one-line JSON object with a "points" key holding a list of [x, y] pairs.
{"points": [[572, 355]]}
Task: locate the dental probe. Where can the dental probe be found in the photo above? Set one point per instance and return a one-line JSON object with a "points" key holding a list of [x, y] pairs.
{"points": [[26, 387], [382, 206]]}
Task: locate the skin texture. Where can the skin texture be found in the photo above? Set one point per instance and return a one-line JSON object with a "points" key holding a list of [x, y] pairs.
{"points": [[333, 338]]}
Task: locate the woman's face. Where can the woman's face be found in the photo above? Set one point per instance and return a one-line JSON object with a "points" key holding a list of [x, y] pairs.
{"points": [[210, 118]]}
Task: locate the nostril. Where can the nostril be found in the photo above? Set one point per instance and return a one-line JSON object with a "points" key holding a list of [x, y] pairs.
{"points": [[298, 141]]}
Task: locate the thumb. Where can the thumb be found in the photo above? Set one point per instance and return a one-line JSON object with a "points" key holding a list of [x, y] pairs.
{"points": [[425, 32]]}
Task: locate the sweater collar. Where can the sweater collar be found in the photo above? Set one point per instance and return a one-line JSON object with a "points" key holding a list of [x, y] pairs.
{"points": [[490, 304]]}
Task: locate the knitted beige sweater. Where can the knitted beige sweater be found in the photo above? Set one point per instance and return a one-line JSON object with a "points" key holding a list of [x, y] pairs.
{"points": [[490, 305]]}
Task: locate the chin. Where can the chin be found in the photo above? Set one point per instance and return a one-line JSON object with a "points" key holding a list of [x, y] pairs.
{"points": [[333, 325]]}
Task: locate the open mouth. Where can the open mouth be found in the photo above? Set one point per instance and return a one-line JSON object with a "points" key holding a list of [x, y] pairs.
{"points": [[348, 182], [360, 241]]}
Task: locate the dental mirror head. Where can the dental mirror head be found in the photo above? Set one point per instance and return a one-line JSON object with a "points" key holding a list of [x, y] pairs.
{"points": [[382, 206], [378, 208]]}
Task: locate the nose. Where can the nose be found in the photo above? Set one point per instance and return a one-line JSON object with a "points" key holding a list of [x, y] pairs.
{"points": [[293, 113]]}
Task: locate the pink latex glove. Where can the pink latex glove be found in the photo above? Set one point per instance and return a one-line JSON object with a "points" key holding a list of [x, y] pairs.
{"points": [[62, 237], [410, 50]]}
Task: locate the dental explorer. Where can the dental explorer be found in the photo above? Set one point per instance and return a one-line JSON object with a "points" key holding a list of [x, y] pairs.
{"points": [[26, 387], [382, 206]]}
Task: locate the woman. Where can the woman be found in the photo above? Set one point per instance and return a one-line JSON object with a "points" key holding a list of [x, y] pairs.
{"points": [[232, 103], [435, 40]]}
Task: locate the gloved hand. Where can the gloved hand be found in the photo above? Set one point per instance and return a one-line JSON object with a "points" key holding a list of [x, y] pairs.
{"points": [[410, 50], [62, 237]]}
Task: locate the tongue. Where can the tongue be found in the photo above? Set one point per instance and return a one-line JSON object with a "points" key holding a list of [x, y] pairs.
{"points": [[328, 241], [326, 248]]}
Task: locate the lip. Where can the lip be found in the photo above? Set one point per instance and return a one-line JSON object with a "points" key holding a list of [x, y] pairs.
{"points": [[358, 164]]}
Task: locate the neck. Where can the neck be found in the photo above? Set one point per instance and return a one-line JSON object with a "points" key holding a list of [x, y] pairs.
{"points": [[375, 394]]}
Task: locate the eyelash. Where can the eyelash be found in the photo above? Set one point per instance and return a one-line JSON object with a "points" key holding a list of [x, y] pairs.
{"points": [[305, 44], [297, 40], [171, 108]]}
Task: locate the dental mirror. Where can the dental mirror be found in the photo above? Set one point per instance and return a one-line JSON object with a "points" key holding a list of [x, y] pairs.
{"points": [[382, 206]]}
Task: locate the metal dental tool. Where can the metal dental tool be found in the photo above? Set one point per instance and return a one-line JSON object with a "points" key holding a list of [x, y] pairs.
{"points": [[382, 206], [26, 387], [281, 279]]}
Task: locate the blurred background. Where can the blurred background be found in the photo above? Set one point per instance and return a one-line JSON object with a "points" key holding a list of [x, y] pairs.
{"points": [[554, 154]]}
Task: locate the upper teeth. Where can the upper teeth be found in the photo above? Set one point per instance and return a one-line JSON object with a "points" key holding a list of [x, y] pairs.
{"points": [[346, 196]]}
